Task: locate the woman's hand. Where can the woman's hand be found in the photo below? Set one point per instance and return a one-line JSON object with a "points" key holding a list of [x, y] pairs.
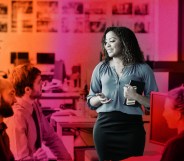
{"points": [[40, 155], [130, 93], [99, 99], [102, 98]]}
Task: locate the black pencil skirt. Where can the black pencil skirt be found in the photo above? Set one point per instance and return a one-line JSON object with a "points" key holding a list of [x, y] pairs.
{"points": [[118, 136]]}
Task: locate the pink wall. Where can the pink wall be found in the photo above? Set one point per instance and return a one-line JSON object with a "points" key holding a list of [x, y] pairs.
{"points": [[84, 48], [166, 30]]}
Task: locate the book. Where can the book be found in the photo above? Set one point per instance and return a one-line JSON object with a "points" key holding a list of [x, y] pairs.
{"points": [[139, 87]]}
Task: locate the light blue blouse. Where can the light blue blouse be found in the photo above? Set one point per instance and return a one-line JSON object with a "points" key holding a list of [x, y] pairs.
{"points": [[105, 80]]}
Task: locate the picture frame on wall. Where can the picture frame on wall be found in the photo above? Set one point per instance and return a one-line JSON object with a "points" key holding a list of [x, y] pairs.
{"points": [[46, 26], [141, 9], [78, 25], [141, 27], [95, 8], [119, 21], [17, 58], [65, 25], [3, 9], [47, 13], [3, 26], [22, 16], [95, 25], [122, 8], [3, 16], [74, 24], [72, 7]]}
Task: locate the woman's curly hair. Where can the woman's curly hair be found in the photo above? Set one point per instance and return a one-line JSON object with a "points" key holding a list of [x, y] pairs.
{"points": [[131, 52]]}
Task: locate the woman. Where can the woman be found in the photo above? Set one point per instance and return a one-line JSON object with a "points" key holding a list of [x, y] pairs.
{"points": [[119, 132], [174, 115]]}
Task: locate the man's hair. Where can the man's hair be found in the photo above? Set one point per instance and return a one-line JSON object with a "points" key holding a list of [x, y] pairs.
{"points": [[23, 76], [131, 52], [177, 95]]}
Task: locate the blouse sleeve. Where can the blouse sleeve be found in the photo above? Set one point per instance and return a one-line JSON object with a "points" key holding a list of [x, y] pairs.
{"points": [[150, 81], [95, 85]]}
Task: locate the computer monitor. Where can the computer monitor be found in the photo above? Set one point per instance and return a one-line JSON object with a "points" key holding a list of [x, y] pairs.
{"points": [[19, 56], [45, 63], [45, 58], [160, 133]]}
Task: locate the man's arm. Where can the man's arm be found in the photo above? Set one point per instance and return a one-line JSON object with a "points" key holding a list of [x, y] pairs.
{"points": [[53, 141], [18, 137]]}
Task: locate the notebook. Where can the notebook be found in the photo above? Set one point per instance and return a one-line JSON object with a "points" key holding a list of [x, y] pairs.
{"points": [[139, 87]]}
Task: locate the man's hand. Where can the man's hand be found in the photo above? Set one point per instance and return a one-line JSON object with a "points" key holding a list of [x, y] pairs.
{"points": [[40, 155]]}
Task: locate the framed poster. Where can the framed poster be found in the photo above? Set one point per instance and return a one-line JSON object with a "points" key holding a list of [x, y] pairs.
{"points": [[47, 16], [22, 16], [3, 16]]}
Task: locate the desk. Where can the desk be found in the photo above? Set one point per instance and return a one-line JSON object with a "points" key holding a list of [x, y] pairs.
{"points": [[70, 122], [56, 99]]}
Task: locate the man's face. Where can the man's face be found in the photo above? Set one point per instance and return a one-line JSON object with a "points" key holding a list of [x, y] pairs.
{"points": [[7, 99], [37, 88]]}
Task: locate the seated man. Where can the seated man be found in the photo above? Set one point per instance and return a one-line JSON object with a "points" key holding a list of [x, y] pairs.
{"points": [[7, 99], [28, 127]]}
